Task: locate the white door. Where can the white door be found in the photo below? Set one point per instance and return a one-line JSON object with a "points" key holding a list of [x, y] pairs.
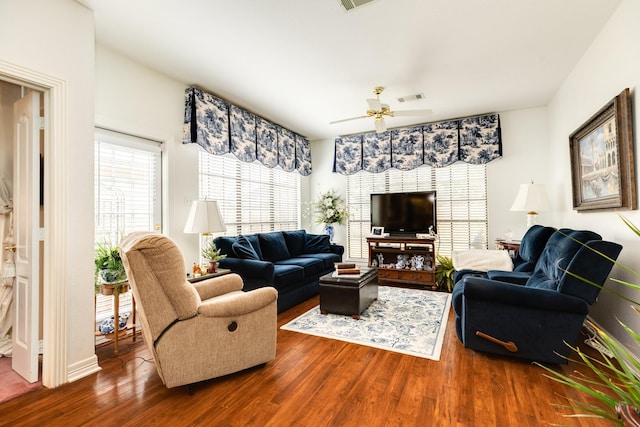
{"points": [[26, 195]]}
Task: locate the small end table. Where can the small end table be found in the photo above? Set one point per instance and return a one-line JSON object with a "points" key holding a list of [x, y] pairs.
{"points": [[512, 246], [219, 272]]}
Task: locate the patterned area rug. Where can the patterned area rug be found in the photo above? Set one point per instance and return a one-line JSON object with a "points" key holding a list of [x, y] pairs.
{"points": [[408, 321]]}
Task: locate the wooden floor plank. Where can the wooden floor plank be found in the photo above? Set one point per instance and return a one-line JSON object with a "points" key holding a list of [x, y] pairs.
{"points": [[313, 382]]}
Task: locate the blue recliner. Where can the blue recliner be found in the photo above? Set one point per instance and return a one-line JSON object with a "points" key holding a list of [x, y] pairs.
{"points": [[531, 246], [537, 319]]}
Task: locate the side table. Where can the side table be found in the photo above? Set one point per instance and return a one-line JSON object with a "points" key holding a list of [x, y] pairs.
{"points": [[513, 246], [116, 290], [219, 272]]}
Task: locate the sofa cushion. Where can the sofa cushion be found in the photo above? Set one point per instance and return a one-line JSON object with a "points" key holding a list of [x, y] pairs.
{"points": [[287, 275], [316, 243], [328, 258], [311, 266], [273, 246], [243, 249], [295, 241]]}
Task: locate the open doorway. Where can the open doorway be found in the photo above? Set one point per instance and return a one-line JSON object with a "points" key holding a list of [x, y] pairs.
{"points": [[10, 94]]}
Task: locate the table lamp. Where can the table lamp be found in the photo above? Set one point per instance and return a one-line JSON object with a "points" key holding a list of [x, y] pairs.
{"points": [[204, 218], [531, 198]]}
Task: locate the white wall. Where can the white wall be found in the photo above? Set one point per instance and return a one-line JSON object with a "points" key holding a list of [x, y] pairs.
{"points": [[55, 38], [611, 64], [134, 99]]}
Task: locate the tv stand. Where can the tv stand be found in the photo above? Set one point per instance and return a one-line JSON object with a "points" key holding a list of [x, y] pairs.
{"points": [[403, 260]]}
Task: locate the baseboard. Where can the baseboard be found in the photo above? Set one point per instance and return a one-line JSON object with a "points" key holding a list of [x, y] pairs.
{"points": [[83, 368], [636, 361]]}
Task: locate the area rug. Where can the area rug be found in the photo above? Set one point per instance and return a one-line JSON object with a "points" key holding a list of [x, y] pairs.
{"points": [[11, 384], [409, 321]]}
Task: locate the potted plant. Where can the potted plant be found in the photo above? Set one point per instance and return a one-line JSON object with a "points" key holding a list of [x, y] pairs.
{"points": [[109, 273], [444, 272], [212, 254], [617, 387]]}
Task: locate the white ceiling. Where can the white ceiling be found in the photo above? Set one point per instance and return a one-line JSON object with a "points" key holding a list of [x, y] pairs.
{"points": [[304, 63]]}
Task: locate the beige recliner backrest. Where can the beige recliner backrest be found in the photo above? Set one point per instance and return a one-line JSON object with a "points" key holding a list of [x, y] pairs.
{"points": [[163, 288]]}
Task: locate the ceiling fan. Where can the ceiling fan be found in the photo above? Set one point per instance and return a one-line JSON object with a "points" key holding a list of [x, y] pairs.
{"points": [[378, 110]]}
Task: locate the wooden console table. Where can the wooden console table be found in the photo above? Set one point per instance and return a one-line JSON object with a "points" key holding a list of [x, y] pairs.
{"points": [[403, 260]]}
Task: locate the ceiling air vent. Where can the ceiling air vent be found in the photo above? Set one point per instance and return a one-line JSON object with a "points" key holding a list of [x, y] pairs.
{"points": [[411, 97], [352, 4]]}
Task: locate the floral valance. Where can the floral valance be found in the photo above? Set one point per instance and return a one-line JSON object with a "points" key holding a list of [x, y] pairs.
{"points": [[221, 127], [473, 140]]}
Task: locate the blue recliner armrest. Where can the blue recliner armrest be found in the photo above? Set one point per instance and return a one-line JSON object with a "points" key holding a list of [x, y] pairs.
{"points": [[515, 277], [476, 288]]}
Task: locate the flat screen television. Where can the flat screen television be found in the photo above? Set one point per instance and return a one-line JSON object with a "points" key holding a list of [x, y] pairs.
{"points": [[404, 213]]}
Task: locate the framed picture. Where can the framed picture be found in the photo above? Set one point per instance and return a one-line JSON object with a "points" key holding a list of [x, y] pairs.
{"points": [[602, 165], [377, 231]]}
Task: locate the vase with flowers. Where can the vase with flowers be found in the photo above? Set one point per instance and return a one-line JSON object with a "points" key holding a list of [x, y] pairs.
{"points": [[329, 208]]}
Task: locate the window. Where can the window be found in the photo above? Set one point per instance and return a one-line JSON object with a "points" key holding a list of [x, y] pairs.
{"points": [[252, 197], [461, 204], [127, 195]]}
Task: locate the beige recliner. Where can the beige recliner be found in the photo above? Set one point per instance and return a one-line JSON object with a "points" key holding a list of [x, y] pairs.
{"points": [[196, 331]]}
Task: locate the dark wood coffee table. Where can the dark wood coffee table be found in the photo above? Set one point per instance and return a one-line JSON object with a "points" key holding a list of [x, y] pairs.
{"points": [[348, 294]]}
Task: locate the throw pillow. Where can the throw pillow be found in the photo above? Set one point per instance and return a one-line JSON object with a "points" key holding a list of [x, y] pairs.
{"points": [[295, 241], [317, 244], [273, 246], [243, 249]]}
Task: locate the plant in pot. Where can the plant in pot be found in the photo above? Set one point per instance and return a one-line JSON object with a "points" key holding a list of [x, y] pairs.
{"points": [[444, 272], [212, 254], [110, 275]]}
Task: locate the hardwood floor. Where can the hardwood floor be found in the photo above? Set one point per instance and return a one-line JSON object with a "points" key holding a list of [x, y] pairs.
{"points": [[313, 382]]}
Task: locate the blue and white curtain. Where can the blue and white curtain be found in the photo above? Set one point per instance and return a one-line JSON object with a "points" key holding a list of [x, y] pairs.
{"points": [[474, 140], [220, 128]]}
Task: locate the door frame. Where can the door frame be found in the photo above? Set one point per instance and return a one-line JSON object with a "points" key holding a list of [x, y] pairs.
{"points": [[54, 295]]}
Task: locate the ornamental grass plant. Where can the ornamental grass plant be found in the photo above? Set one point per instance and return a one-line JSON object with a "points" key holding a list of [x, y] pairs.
{"points": [[617, 383]]}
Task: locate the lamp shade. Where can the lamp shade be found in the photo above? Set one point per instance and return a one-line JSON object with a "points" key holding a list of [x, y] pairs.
{"points": [[204, 218], [531, 198]]}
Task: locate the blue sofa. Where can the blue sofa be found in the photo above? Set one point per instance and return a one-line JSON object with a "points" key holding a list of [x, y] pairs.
{"points": [[290, 261], [535, 315]]}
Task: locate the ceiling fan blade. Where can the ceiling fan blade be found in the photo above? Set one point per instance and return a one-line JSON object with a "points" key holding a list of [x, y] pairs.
{"points": [[410, 113], [374, 104], [346, 120], [380, 125]]}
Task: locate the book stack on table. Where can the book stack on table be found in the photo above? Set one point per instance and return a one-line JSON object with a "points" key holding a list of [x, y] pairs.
{"points": [[346, 268]]}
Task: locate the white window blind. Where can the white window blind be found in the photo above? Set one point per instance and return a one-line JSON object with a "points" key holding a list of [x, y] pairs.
{"points": [[127, 195], [461, 204], [252, 197]]}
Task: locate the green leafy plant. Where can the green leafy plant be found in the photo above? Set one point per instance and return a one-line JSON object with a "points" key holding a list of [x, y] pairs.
{"points": [[617, 383], [444, 272], [109, 268], [212, 253]]}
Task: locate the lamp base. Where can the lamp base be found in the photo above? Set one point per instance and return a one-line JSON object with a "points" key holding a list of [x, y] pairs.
{"points": [[531, 219]]}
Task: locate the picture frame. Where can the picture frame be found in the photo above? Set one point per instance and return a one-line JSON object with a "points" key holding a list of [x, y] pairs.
{"points": [[377, 231], [602, 160]]}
